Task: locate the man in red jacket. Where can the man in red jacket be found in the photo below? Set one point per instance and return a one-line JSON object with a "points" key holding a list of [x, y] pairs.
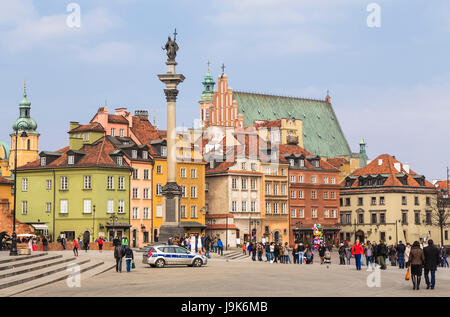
{"points": [[357, 251]]}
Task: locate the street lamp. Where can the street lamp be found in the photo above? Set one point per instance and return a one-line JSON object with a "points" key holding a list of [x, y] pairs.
{"points": [[93, 224], [13, 251], [114, 218]]}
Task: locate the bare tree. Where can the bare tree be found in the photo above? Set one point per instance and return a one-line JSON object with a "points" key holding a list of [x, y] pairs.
{"points": [[440, 212]]}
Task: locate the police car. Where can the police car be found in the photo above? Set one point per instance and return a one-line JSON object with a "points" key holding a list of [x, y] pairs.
{"points": [[161, 255]]}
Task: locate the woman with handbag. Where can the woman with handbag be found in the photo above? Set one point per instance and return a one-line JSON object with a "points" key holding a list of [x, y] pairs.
{"points": [[416, 262], [129, 256]]}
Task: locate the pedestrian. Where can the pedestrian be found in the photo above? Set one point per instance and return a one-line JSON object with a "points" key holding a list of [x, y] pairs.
{"points": [[276, 253], [267, 250], [416, 260], [382, 252], [244, 249], [348, 255], [322, 253], [63, 242], [301, 252], [407, 251], [253, 249], [286, 251], [369, 253], [281, 253], [124, 242], [357, 252], [374, 248], [259, 249], [118, 255], [44, 243], [86, 244], [392, 255], [309, 254], [341, 252], [249, 248], [432, 259], [401, 255], [272, 252], [76, 245], [100, 244], [129, 257], [295, 253], [444, 262], [207, 246], [220, 246]]}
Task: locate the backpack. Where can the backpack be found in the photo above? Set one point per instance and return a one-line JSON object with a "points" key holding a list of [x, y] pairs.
{"points": [[369, 252]]}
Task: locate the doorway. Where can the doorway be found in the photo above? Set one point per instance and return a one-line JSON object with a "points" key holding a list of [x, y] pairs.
{"points": [[134, 238], [86, 236], [359, 235]]}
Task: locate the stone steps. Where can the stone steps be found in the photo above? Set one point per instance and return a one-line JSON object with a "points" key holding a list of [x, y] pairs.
{"points": [[11, 259], [45, 263], [28, 262]]}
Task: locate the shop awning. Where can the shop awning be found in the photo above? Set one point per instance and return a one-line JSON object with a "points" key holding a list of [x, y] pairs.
{"points": [[117, 225], [39, 226]]}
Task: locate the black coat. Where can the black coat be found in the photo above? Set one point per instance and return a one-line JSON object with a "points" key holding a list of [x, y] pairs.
{"points": [[382, 250], [432, 257]]}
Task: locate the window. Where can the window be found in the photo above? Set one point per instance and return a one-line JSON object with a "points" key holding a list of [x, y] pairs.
{"points": [[275, 189], [293, 194], [253, 206], [145, 155], [383, 236], [159, 189], [183, 173], [158, 169], [163, 150], [87, 182], [135, 213], [87, 206], [347, 201], [253, 183], [121, 133], [333, 180], [120, 160], [373, 201], [291, 162], [428, 201], [267, 208], [43, 161], [193, 173], [24, 184], [193, 192], [360, 218], [267, 189], [302, 163], [24, 207], [293, 213], [121, 182], [381, 200], [183, 211], [283, 172], [253, 167], [300, 194], [63, 206], [301, 213], [146, 193], [326, 214], [183, 191], [333, 195], [244, 183], [313, 194], [193, 211], [404, 217], [382, 218], [275, 208], [360, 201], [135, 193], [121, 208], [314, 213], [283, 189], [234, 183], [325, 195], [135, 173], [267, 170], [417, 217], [146, 174], [325, 180], [292, 179], [284, 208], [113, 132], [244, 206], [404, 200], [348, 218], [110, 184], [243, 166], [334, 213], [234, 206], [159, 212], [110, 206], [428, 217], [71, 160], [134, 153], [416, 201], [48, 207], [300, 178], [64, 183], [313, 179], [340, 202], [49, 184], [374, 218]]}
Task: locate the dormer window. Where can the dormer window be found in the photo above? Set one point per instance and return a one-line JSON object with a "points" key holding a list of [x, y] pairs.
{"points": [[134, 154], [145, 155], [71, 160], [163, 150], [43, 161], [316, 163], [291, 161], [120, 160], [302, 163]]}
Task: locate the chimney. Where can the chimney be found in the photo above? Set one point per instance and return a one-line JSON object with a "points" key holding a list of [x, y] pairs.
{"points": [[141, 114], [398, 167], [406, 168], [73, 125], [121, 111]]}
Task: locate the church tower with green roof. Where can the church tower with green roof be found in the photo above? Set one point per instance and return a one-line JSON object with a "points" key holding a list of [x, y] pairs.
{"points": [[206, 100], [27, 136]]}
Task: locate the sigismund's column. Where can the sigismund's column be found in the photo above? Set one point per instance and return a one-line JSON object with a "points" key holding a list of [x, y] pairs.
{"points": [[171, 191]]}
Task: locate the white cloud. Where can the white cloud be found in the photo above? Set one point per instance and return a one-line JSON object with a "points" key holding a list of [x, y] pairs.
{"points": [[107, 52]]}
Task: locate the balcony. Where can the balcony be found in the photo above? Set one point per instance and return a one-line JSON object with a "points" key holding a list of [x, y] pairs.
{"points": [[292, 140]]}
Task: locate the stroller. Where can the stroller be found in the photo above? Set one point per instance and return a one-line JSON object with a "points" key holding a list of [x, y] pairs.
{"points": [[327, 257]]}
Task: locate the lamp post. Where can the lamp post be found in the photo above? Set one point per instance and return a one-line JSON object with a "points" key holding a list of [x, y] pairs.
{"points": [[13, 251], [93, 224], [113, 218]]}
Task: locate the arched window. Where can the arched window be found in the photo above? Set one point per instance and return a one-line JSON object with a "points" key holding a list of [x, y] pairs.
{"points": [[28, 144]]}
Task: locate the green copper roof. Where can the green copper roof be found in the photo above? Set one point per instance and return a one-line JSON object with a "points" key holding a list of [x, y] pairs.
{"points": [[208, 88], [24, 122], [322, 133], [6, 150]]}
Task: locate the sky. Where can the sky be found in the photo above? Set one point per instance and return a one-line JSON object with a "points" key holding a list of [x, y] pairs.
{"points": [[389, 84]]}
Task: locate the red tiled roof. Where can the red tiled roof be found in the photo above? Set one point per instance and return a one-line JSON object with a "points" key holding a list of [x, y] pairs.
{"points": [[337, 161], [96, 127], [268, 124], [97, 154], [113, 118], [442, 184], [297, 150], [162, 133], [145, 132], [224, 166], [387, 167]]}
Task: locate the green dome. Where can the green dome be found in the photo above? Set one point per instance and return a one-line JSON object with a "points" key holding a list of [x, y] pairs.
{"points": [[25, 102], [208, 91], [24, 124], [4, 151]]}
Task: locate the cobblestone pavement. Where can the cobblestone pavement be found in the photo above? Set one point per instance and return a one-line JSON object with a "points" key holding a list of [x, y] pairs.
{"points": [[247, 278]]}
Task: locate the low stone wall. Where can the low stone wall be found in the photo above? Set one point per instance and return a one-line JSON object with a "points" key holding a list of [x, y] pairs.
{"points": [[56, 246]]}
